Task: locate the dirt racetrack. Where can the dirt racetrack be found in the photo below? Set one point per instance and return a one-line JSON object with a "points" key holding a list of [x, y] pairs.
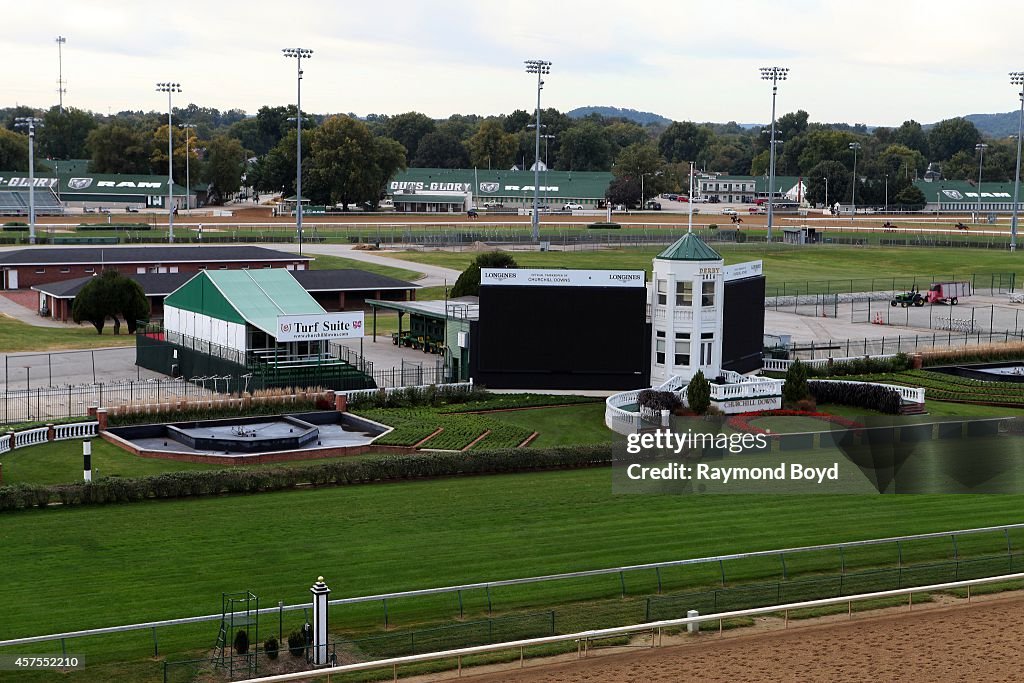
{"points": [[977, 642]]}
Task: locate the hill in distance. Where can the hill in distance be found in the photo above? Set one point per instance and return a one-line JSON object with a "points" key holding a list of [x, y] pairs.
{"points": [[995, 125], [641, 117]]}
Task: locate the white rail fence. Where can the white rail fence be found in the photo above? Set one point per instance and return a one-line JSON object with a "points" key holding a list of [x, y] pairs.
{"points": [[363, 393], [38, 435], [655, 628], [909, 394], [780, 365]]}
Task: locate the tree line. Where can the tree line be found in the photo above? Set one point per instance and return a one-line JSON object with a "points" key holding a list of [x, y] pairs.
{"points": [[348, 160]]}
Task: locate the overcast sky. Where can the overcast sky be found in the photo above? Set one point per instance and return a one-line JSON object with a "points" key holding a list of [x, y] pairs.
{"points": [[875, 62]]}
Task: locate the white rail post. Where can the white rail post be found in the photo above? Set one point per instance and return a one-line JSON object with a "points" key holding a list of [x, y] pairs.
{"points": [[693, 627], [87, 459], [320, 592]]}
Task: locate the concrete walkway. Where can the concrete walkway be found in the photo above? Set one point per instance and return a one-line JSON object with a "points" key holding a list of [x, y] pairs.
{"points": [[26, 315], [433, 276]]}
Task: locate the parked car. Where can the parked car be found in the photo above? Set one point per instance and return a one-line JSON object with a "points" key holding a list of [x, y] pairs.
{"points": [[494, 205], [757, 209], [682, 198], [653, 206], [572, 207], [729, 211], [700, 200]]}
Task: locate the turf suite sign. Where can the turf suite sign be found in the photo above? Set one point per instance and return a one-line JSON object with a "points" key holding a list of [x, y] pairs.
{"points": [[315, 327]]}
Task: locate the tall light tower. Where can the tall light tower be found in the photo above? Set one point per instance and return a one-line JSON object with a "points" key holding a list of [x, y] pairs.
{"points": [[298, 54], [60, 72], [188, 128], [1017, 79], [539, 67], [853, 213], [980, 148], [546, 167], [826, 195], [773, 74], [30, 122], [170, 88]]}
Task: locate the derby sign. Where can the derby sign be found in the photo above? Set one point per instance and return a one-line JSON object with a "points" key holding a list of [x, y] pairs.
{"points": [[314, 327]]}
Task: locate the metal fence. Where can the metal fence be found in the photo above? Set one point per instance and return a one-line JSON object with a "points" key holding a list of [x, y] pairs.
{"points": [[618, 595], [56, 403], [995, 283], [962, 318], [61, 368], [888, 345]]}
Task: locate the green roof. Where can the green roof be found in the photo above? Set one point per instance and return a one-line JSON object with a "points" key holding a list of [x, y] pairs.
{"points": [[689, 247], [255, 297], [487, 184], [965, 192]]}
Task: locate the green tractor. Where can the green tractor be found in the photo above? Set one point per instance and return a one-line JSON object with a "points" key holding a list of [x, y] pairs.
{"points": [[911, 298]]}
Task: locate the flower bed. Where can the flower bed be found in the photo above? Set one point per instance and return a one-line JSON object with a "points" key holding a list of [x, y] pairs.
{"points": [[741, 422]]}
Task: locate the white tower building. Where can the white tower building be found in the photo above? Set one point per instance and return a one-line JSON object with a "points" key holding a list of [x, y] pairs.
{"points": [[686, 301]]}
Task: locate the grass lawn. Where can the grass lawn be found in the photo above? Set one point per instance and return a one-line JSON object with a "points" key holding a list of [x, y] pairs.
{"points": [[781, 263], [560, 426], [327, 262], [18, 336], [174, 558]]}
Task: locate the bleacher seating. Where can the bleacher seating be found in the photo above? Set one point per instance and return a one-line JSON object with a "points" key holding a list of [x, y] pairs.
{"points": [[14, 202]]}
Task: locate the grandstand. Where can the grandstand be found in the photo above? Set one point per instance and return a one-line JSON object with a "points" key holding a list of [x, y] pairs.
{"points": [[15, 202]]}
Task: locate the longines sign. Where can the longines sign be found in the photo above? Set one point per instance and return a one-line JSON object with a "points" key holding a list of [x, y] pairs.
{"points": [[314, 327], [540, 277]]}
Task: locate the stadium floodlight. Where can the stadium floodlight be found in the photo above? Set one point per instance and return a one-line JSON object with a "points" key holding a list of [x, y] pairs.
{"points": [[980, 148], [60, 40], [30, 122], [170, 88], [298, 54], [853, 201], [188, 128], [1017, 79], [539, 67], [773, 74]]}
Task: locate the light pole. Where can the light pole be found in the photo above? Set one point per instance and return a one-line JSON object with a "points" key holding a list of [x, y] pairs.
{"points": [[188, 127], [853, 213], [546, 168], [60, 72], [298, 54], [886, 193], [980, 147], [30, 122], [539, 67], [170, 88], [1017, 78], [773, 74], [826, 196]]}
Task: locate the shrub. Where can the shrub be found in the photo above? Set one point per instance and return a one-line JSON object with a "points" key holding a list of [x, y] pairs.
{"points": [[795, 388], [15, 227], [241, 644], [658, 400], [296, 643], [871, 396], [603, 225], [698, 393], [271, 647]]}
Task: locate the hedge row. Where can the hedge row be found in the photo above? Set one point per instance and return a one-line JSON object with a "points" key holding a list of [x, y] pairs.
{"points": [[872, 396], [339, 473], [860, 366], [85, 227]]}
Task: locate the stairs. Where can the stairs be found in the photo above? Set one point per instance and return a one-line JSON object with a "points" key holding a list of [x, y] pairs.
{"points": [[909, 408]]}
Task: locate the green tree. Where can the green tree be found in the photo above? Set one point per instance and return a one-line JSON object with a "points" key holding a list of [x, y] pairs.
{"points": [[911, 198], [913, 136], [584, 147], [468, 283], [13, 150], [948, 137], [64, 134], [408, 129], [121, 147], [158, 152], [108, 296], [492, 147], [275, 171], [698, 393], [827, 145], [795, 387], [644, 164], [838, 184], [517, 121], [225, 164], [440, 149], [684, 141], [349, 165]]}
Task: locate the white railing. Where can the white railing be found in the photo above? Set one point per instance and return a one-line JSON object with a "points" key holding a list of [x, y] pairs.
{"points": [[747, 389], [618, 420], [75, 430], [911, 394], [357, 393], [582, 638], [30, 437], [780, 365], [682, 315], [5, 444]]}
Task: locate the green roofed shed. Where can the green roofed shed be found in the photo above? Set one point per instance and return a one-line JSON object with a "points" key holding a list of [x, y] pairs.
{"points": [[689, 247]]}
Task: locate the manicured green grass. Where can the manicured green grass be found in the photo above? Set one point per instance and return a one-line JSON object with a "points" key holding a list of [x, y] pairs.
{"points": [[560, 426], [18, 336], [781, 263], [327, 262]]}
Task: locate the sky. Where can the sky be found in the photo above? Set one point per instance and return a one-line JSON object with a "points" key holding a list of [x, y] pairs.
{"points": [[874, 62]]}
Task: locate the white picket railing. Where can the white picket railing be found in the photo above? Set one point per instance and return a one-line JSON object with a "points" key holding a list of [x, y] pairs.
{"points": [[618, 420], [781, 365], [654, 628], [910, 394], [75, 430], [30, 437], [390, 390], [5, 444]]}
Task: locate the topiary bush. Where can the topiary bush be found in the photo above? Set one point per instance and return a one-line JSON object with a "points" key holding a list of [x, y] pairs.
{"points": [[296, 643], [795, 388], [241, 644], [698, 393], [271, 647]]}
